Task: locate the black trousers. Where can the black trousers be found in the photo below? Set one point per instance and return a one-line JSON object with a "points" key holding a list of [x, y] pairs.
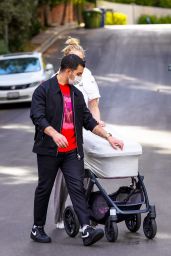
{"points": [[73, 171]]}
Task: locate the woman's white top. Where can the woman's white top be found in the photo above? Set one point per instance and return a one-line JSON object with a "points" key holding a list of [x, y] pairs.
{"points": [[88, 86]]}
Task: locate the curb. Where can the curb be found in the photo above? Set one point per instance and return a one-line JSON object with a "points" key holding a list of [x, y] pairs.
{"points": [[54, 37]]}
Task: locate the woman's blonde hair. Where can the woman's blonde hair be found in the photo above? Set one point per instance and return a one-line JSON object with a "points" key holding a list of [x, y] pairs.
{"points": [[72, 45]]}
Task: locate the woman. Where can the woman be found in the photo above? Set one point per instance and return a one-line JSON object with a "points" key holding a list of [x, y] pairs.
{"points": [[89, 88]]}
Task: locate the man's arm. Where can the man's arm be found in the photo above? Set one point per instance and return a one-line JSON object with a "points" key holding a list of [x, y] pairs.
{"points": [[114, 142], [38, 105]]}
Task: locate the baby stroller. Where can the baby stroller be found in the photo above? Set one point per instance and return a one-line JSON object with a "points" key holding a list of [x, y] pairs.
{"points": [[127, 203]]}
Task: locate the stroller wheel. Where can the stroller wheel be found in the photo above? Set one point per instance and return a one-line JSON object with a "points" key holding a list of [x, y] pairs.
{"points": [[71, 222], [134, 222], [149, 227], [111, 230]]}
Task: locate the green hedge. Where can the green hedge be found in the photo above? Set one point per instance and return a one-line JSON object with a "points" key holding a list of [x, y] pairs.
{"points": [[115, 18], [3, 48], [165, 20], [155, 3], [152, 19]]}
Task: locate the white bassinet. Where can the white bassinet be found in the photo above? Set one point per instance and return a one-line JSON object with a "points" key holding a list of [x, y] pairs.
{"points": [[106, 162]]}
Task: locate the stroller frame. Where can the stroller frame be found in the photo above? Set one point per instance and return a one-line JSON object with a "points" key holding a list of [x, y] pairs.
{"points": [[115, 215], [93, 181]]}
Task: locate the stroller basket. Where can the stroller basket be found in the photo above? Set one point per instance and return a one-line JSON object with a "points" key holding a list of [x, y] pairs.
{"points": [[126, 198]]}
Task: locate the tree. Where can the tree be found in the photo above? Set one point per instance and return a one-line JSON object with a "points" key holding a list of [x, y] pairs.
{"points": [[15, 22], [19, 22], [6, 10]]}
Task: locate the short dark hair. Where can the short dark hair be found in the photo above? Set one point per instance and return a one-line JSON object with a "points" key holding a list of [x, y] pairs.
{"points": [[71, 61]]}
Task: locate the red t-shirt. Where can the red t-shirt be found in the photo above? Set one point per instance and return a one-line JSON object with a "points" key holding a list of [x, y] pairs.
{"points": [[68, 129]]}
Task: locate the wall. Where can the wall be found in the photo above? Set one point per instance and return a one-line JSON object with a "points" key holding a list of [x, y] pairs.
{"points": [[56, 13], [133, 11]]}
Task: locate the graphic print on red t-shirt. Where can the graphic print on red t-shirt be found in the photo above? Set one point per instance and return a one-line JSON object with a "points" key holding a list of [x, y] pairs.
{"points": [[68, 115], [68, 125]]}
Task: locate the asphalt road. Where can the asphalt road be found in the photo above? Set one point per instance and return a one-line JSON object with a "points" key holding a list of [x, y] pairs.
{"points": [[131, 69]]}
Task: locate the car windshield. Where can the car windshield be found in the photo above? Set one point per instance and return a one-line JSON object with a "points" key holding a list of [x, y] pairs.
{"points": [[20, 65]]}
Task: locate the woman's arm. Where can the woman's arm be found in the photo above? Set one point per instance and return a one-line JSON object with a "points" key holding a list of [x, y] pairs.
{"points": [[93, 106], [92, 91]]}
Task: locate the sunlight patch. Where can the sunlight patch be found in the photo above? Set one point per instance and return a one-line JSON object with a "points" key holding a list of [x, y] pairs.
{"points": [[27, 128], [163, 235], [134, 83], [153, 138], [17, 175]]}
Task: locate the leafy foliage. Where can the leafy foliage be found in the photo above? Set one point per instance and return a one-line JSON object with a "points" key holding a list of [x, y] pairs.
{"points": [[19, 22], [16, 17], [152, 19], [115, 18]]}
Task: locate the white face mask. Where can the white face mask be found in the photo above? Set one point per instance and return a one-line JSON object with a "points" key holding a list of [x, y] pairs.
{"points": [[75, 81]]}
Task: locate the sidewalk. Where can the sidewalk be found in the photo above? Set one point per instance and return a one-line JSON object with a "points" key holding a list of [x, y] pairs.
{"points": [[46, 38]]}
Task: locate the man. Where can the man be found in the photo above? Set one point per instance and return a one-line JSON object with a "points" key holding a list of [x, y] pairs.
{"points": [[59, 113]]}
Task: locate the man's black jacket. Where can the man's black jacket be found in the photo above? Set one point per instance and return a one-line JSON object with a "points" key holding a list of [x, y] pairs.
{"points": [[47, 110]]}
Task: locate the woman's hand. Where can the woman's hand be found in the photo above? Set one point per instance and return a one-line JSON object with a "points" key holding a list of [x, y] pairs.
{"points": [[102, 124]]}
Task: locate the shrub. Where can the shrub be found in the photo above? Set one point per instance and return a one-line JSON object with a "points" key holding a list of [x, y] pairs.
{"points": [[152, 19], [3, 48], [147, 19], [165, 20], [115, 18], [35, 28]]}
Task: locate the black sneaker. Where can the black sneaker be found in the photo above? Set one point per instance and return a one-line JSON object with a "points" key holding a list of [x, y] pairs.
{"points": [[91, 235], [38, 235]]}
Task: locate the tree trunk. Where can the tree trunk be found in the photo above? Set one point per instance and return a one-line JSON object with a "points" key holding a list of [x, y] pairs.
{"points": [[78, 12], [46, 15], [6, 35], [64, 12]]}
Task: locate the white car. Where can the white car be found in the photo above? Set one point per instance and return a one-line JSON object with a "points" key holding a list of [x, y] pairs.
{"points": [[20, 74]]}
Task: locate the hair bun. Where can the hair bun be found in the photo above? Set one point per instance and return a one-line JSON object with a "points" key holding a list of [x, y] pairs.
{"points": [[72, 41]]}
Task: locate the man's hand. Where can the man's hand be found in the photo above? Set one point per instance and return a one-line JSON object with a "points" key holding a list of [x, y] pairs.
{"points": [[115, 143], [60, 140], [57, 137]]}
